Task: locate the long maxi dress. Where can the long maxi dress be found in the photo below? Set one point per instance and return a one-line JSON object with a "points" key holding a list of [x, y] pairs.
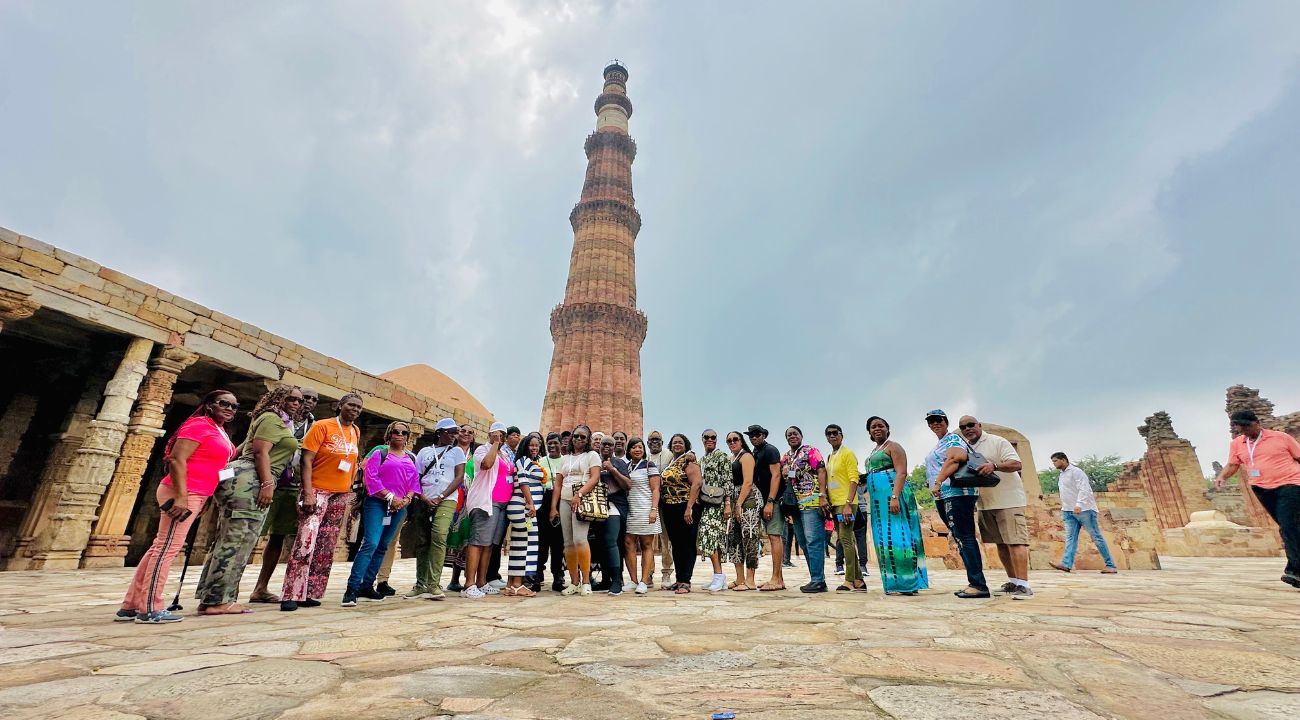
{"points": [[900, 552]]}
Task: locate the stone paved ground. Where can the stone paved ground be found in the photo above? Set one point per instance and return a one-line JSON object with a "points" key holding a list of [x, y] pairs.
{"points": [[1206, 638]]}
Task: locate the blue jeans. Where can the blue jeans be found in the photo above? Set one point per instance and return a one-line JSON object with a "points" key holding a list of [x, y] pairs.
{"points": [[375, 536], [814, 542], [1087, 519], [793, 533], [958, 513]]}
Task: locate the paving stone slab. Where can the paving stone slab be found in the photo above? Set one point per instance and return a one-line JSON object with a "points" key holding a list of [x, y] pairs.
{"points": [[922, 702]]}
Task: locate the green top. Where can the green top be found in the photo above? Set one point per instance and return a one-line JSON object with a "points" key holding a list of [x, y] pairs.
{"points": [[879, 461], [269, 426]]}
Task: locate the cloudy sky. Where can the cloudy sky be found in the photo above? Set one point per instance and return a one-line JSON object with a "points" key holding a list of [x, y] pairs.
{"points": [[1061, 217]]}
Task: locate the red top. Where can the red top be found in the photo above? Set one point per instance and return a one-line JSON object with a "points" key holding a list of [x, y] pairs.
{"points": [[213, 453]]}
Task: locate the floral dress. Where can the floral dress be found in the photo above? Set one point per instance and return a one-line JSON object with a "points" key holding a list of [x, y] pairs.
{"points": [[716, 471]]}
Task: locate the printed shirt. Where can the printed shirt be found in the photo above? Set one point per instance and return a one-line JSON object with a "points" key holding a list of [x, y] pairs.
{"points": [[437, 466], [1076, 491], [336, 454], [1010, 491], [716, 469], [934, 461], [1275, 455], [552, 467], [676, 484], [271, 427], [391, 472], [841, 473], [799, 468], [203, 468]]}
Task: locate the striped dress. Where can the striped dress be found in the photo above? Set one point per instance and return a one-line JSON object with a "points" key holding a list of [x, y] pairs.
{"points": [[524, 535], [638, 500]]}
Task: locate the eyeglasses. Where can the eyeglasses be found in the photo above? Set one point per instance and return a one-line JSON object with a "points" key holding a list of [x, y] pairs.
{"points": [[227, 404], [402, 433], [967, 426], [710, 437]]}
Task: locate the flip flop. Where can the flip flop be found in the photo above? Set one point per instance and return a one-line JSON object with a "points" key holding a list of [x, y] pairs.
{"points": [[266, 598], [844, 588], [508, 591], [968, 596], [682, 588], [231, 609], [742, 588], [767, 587], [524, 592]]}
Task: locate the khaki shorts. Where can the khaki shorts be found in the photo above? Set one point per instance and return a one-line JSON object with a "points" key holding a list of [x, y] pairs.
{"points": [[1006, 526], [282, 516]]}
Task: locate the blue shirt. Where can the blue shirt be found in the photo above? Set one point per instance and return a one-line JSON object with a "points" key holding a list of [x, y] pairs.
{"points": [[934, 463]]}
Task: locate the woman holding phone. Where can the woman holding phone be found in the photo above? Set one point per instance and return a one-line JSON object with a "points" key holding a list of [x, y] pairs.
{"points": [[195, 458]]}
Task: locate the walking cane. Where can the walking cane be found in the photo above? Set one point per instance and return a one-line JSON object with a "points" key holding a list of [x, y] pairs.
{"points": [[189, 547]]}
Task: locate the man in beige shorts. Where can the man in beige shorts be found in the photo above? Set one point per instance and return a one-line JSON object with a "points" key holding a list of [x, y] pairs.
{"points": [[1002, 507]]}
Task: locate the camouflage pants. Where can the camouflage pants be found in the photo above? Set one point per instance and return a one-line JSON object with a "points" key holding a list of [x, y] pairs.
{"points": [[239, 523]]}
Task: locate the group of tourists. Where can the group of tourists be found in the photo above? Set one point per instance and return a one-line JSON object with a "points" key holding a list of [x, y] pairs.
{"points": [[590, 502]]}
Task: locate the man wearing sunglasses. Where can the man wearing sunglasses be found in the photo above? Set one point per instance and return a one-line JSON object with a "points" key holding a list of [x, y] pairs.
{"points": [[1001, 516]]}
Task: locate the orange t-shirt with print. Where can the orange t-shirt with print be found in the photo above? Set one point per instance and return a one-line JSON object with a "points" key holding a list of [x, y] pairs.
{"points": [[334, 445], [1275, 457]]}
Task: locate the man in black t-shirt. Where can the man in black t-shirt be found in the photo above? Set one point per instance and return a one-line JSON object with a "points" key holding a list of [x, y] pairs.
{"points": [[768, 480]]}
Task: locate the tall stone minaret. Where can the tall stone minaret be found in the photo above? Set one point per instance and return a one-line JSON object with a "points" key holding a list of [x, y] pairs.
{"points": [[596, 366]]}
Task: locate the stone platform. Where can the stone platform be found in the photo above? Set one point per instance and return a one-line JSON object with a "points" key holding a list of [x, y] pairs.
{"points": [[1204, 638]]}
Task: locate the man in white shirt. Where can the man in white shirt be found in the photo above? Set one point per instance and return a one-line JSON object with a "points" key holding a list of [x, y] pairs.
{"points": [[1002, 518], [1076, 493], [442, 471]]}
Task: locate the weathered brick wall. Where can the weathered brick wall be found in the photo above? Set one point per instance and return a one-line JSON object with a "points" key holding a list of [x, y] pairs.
{"points": [[68, 283]]}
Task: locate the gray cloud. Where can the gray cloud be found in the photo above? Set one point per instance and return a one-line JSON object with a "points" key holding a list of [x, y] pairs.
{"points": [[1050, 216]]}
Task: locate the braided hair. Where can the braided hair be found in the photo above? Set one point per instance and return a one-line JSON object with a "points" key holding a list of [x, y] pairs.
{"points": [[272, 400]]}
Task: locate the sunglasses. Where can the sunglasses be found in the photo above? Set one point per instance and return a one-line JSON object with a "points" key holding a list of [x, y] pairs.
{"points": [[967, 426], [292, 399], [402, 433], [833, 433], [731, 440], [310, 398], [227, 404], [710, 437], [578, 437]]}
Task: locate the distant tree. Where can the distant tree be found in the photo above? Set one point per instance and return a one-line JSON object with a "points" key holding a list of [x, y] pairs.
{"points": [[1102, 471], [916, 479]]}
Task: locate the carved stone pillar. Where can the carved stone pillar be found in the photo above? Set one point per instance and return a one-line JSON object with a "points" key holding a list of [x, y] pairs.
{"points": [[15, 305], [76, 496], [108, 542]]}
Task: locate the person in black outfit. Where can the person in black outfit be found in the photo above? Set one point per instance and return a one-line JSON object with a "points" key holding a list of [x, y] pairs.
{"points": [[615, 473], [678, 510], [767, 478], [549, 536]]}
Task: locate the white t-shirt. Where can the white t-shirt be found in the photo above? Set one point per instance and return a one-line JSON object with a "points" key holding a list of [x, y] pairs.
{"points": [[435, 480], [576, 470], [1010, 492]]}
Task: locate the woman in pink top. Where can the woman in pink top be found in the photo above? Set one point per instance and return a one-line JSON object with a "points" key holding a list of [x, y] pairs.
{"points": [[391, 482], [485, 505], [195, 457]]}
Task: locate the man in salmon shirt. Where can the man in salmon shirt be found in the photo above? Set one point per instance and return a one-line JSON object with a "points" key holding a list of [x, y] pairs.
{"points": [[1272, 463]]}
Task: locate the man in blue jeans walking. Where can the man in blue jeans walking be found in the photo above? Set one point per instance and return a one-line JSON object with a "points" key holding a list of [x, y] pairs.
{"points": [[1078, 509]]}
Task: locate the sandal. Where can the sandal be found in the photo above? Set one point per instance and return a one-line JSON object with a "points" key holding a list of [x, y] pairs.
{"points": [[670, 587], [524, 592], [972, 595], [682, 588], [732, 585], [227, 609], [861, 588], [742, 588], [768, 587], [844, 588], [265, 597], [509, 591]]}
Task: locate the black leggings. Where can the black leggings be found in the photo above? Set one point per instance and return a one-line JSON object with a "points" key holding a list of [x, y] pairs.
{"points": [[683, 536]]}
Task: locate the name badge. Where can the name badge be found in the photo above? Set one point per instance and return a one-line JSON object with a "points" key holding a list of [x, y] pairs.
{"points": [[1253, 472], [833, 485], [345, 466], [789, 474], [225, 473], [388, 520]]}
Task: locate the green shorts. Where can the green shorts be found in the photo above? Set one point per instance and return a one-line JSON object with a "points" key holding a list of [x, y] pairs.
{"points": [[775, 526], [282, 516]]}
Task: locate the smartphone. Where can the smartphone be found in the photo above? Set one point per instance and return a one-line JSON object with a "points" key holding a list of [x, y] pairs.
{"points": [[839, 517], [724, 716], [171, 502]]}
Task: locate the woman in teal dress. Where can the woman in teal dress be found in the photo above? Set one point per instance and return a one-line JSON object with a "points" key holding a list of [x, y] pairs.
{"points": [[895, 519]]}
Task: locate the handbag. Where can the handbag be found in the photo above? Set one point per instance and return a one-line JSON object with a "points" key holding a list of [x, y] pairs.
{"points": [[968, 476], [595, 505], [710, 495]]}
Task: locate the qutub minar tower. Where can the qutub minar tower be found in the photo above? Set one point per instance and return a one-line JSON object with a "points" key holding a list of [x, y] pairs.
{"points": [[596, 367]]}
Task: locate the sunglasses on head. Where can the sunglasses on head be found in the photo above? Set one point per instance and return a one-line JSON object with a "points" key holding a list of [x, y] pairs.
{"points": [[227, 404], [967, 426]]}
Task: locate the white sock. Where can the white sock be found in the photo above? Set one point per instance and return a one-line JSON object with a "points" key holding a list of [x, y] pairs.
{"points": [[1022, 583]]}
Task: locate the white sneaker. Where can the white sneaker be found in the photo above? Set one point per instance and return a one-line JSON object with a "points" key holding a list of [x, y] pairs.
{"points": [[490, 589], [569, 590], [719, 583], [465, 591], [641, 588], [498, 584], [474, 593], [585, 589]]}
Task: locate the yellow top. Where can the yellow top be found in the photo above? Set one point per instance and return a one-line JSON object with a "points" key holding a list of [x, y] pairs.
{"points": [[842, 471]]}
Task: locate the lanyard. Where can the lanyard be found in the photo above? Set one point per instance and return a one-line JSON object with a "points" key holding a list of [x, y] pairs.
{"points": [[225, 437], [1250, 447], [348, 435]]}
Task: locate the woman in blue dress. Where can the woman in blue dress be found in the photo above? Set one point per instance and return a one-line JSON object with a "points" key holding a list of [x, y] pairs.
{"points": [[895, 519]]}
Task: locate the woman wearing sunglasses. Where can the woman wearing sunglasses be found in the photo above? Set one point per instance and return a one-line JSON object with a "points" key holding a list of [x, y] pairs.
{"points": [[194, 456], [745, 531], [391, 482], [579, 473]]}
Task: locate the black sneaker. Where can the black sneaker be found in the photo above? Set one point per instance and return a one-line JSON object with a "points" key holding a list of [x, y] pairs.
{"points": [[349, 598], [813, 587], [1288, 578], [125, 616], [288, 606], [455, 587], [309, 603], [557, 586], [369, 594], [385, 589], [615, 589], [600, 587]]}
